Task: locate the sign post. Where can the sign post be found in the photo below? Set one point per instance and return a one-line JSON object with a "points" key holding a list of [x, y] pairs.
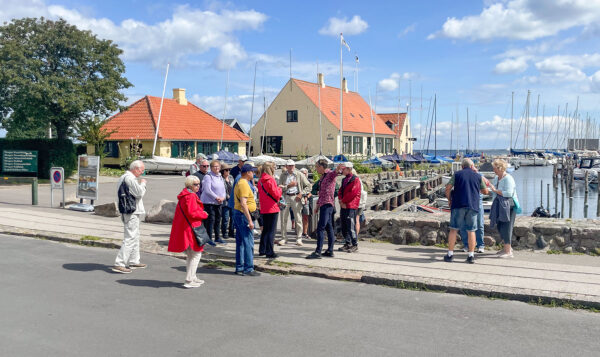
{"points": [[87, 183], [57, 182], [23, 161]]}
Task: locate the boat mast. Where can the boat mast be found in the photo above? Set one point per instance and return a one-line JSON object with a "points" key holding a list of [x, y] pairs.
{"points": [[252, 107], [160, 111], [224, 110], [468, 134], [512, 114], [527, 104], [451, 129], [537, 114], [435, 126]]}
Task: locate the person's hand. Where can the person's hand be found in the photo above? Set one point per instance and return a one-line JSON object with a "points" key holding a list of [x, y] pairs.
{"points": [[292, 184], [219, 200], [143, 181], [298, 197], [251, 225], [342, 205]]}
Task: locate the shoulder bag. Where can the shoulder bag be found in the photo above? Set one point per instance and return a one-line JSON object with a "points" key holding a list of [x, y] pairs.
{"points": [[200, 232]]}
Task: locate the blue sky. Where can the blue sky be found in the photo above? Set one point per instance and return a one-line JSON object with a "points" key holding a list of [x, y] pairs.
{"points": [[471, 54]]}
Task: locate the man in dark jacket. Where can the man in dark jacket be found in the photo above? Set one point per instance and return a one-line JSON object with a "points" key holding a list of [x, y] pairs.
{"points": [[349, 197], [464, 204]]}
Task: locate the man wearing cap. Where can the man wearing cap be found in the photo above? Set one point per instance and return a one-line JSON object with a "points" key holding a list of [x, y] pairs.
{"points": [[349, 197], [195, 167], [325, 206], [202, 171], [244, 239], [294, 185], [237, 169]]}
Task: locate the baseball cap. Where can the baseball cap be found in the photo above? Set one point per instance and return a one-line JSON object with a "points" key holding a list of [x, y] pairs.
{"points": [[348, 165], [290, 163], [243, 158], [247, 168]]}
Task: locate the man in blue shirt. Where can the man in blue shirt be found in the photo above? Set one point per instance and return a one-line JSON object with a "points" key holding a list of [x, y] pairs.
{"points": [[462, 193]]}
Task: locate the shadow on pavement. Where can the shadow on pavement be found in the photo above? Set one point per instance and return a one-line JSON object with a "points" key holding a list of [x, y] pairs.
{"points": [[87, 267], [150, 283], [208, 270]]}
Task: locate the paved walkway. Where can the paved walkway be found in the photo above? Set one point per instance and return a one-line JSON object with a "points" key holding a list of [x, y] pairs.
{"points": [[529, 276]]}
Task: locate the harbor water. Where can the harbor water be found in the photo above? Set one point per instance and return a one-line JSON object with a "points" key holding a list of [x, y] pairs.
{"points": [[528, 178]]}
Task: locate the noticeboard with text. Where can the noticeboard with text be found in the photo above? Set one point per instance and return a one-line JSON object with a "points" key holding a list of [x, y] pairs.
{"points": [[88, 171], [20, 161]]}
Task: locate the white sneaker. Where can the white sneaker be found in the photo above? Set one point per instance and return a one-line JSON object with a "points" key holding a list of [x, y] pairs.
{"points": [[466, 249], [256, 232], [191, 284], [281, 242], [501, 251], [198, 281], [481, 250], [299, 242], [506, 255]]}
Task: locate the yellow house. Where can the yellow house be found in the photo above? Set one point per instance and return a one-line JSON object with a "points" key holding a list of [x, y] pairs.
{"points": [[305, 117], [184, 131]]}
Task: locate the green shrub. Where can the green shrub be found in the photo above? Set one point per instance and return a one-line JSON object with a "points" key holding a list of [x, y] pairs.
{"points": [[51, 153]]}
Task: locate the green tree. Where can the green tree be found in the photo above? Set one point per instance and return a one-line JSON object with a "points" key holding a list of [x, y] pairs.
{"points": [[53, 73], [90, 130]]}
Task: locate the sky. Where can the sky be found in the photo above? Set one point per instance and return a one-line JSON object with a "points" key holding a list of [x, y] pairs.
{"points": [[468, 55]]}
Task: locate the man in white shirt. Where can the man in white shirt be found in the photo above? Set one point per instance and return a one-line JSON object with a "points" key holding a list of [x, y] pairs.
{"points": [[129, 255], [294, 185]]}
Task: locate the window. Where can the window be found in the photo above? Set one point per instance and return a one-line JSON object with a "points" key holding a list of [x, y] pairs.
{"points": [[111, 148], [352, 115], [360, 115], [332, 112], [406, 148], [357, 145], [346, 148], [379, 145], [182, 149], [390, 124], [231, 147], [292, 116], [388, 145], [207, 147], [272, 144]]}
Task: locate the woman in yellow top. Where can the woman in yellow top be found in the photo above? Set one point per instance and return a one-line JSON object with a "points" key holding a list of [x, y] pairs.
{"points": [[244, 204]]}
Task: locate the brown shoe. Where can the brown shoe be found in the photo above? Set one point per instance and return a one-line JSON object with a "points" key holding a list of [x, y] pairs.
{"points": [[353, 249], [138, 266], [122, 270]]}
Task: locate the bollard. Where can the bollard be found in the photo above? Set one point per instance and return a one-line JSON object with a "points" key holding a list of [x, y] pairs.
{"points": [[548, 197], [562, 205], [34, 191], [587, 186], [598, 203], [542, 194], [556, 201], [570, 206]]}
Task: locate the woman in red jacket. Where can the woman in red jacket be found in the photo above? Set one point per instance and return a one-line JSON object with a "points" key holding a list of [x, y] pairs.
{"points": [[269, 195], [182, 237]]}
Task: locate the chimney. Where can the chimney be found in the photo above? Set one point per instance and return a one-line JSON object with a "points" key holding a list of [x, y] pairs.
{"points": [[345, 85], [321, 80], [179, 95]]}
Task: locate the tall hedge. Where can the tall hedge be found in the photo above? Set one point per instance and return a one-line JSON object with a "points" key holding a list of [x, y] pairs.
{"points": [[51, 153]]}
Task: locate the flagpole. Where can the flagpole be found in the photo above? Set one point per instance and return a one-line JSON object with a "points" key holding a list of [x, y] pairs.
{"points": [[373, 148], [224, 111], [341, 98], [320, 121], [160, 111]]}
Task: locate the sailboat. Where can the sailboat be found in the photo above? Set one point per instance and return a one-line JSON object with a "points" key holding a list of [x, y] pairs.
{"points": [[527, 157]]}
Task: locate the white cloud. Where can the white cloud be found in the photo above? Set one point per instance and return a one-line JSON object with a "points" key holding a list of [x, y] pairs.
{"points": [[393, 81], [595, 82], [512, 65], [408, 29], [335, 26], [187, 32], [522, 19]]}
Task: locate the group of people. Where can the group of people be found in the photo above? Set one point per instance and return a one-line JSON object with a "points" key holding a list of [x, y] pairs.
{"points": [[464, 193], [226, 200]]}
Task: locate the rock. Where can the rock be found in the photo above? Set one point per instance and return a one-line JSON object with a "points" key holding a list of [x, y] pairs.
{"points": [[378, 223], [584, 233], [107, 210], [434, 223], [489, 241], [531, 239], [568, 250], [560, 241], [163, 212], [549, 229], [430, 238], [411, 235], [541, 243], [522, 227], [582, 249]]}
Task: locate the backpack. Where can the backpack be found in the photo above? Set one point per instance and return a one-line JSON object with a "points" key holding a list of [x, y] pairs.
{"points": [[127, 202]]}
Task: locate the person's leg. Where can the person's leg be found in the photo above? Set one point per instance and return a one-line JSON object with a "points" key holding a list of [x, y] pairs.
{"points": [[217, 221], [324, 216], [210, 220], [451, 239], [352, 227], [464, 238], [305, 218], [134, 257], [262, 248], [480, 223], [270, 221], [225, 217], [284, 220], [297, 210], [345, 221], [192, 261], [248, 248], [330, 231], [293, 217], [130, 226], [238, 240]]}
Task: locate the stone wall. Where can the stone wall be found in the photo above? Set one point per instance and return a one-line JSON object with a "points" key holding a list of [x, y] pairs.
{"points": [[529, 233]]}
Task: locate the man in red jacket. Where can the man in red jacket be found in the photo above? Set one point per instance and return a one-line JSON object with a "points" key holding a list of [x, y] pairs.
{"points": [[349, 197]]}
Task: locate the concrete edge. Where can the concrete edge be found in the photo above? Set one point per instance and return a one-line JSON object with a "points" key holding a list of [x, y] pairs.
{"points": [[538, 297]]}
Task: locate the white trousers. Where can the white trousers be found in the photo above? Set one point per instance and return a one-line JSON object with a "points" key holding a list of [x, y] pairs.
{"points": [[130, 249], [191, 263], [297, 209]]}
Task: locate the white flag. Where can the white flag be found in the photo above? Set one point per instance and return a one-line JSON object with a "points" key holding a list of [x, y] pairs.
{"points": [[344, 42], [356, 59]]}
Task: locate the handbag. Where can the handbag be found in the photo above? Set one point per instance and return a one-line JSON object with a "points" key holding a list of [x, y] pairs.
{"points": [[200, 232]]}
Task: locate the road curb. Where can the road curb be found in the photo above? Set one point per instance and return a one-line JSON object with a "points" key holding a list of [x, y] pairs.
{"points": [[538, 297]]}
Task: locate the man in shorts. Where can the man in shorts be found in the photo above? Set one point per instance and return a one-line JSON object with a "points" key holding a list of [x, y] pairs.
{"points": [[462, 193]]}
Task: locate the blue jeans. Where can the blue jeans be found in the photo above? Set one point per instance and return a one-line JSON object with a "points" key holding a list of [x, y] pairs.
{"points": [[325, 223], [478, 232], [225, 216], [244, 243]]}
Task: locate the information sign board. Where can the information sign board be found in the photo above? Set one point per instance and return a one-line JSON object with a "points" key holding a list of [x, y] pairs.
{"points": [[20, 161], [87, 183]]}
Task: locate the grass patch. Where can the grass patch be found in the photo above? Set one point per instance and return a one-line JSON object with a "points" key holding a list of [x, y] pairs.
{"points": [[214, 264], [415, 243], [279, 263], [553, 251], [105, 171], [595, 252], [441, 245], [375, 240], [90, 238], [562, 304]]}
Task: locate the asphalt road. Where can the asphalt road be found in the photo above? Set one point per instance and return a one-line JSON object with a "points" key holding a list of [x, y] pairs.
{"points": [[61, 300]]}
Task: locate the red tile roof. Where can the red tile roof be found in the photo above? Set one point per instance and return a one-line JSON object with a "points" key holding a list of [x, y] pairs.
{"points": [[177, 122], [397, 119], [357, 117]]}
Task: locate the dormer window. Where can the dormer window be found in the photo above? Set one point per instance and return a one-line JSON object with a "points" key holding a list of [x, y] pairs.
{"points": [[292, 116]]}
